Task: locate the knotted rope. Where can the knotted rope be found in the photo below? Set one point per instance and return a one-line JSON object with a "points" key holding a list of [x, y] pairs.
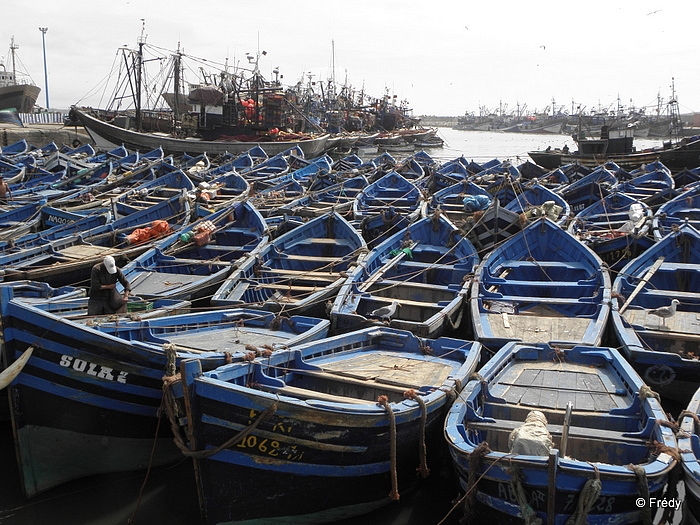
{"points": [[528, 514], [384, 401], [643, 491], [645, 392], [475, 461], [589, 494], [171, 407], [422, 449]]}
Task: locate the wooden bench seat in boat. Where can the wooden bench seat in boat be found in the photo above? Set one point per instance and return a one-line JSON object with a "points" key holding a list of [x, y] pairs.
{"points": [[672, 294], [497, 281], [285, 285], [674, 266], [309, 258], [373, 383], [411, 284], [304, 393], [556, 430], [425, 265], [292, 275], [545, 264], [325, 241], [529, 299]]}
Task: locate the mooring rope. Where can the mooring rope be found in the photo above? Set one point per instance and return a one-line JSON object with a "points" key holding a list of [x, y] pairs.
{"points": [[384, 401], [643, 491], [528, 514], [586, 499], [475, 461], [171, 408], [645, 392], [423, 451]]}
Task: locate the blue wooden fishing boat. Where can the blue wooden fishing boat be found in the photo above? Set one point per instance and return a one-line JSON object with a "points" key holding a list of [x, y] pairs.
{"points": [[379, 227], [449, 173], [269, 200], [68, 260], [55, 223], [540, 286], [683, 208], [144, 187], [689, 448], [589, 189], [87, 401], [616, 227], [192, 262], [298, 271], [553, 435], [535, 200], [501, 180], [20, 220], [338, 197], [84, 403], [220, 191], [16, 148], [451, 201], [651, 186], [238, 331], [39, 291], [421, 273], [488, 219], [329, 430], [392, 190], [686, 177], [662, 345]]}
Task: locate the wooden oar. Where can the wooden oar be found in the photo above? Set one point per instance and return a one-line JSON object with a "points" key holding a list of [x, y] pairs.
{"points": [[381, 271], [641, 283]]}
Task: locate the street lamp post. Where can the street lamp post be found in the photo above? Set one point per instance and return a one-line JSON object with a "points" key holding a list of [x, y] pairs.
{"points": [[46, 74]]}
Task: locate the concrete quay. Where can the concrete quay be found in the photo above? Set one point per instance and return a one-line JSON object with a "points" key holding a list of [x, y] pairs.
{"points": [[41, 134]]}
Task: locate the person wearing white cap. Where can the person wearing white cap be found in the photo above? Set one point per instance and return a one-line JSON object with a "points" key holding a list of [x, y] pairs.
{"points": [[104, 298]]}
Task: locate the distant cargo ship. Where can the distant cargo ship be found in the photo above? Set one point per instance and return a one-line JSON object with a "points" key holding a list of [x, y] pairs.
{"points": [[13, 92]]}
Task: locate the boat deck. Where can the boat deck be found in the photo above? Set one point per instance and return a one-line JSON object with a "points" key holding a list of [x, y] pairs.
{"points": [[154, 283], [389, 368], [681, 325], [551, 385], [539, 324], [232, 339]]}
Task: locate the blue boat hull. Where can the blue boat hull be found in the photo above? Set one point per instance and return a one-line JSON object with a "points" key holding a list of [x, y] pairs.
{"points": [[313, 445]]}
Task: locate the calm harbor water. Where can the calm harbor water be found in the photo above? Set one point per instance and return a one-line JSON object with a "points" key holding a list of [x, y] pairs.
{"points": [[168, 495]]}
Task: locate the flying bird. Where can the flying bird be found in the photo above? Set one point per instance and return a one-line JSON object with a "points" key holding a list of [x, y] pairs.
{"points": [[666, 311], [386, 312], [654, 12]]}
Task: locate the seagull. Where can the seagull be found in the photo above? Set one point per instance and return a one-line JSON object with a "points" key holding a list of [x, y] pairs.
{"points": [[666, 311], [386, 312]]}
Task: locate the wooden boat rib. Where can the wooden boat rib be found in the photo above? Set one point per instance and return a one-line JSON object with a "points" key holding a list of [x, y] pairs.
{"points": [[616, 228]]}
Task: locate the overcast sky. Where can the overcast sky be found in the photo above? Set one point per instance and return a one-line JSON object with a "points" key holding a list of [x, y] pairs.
{"points": [[445, 57]]}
